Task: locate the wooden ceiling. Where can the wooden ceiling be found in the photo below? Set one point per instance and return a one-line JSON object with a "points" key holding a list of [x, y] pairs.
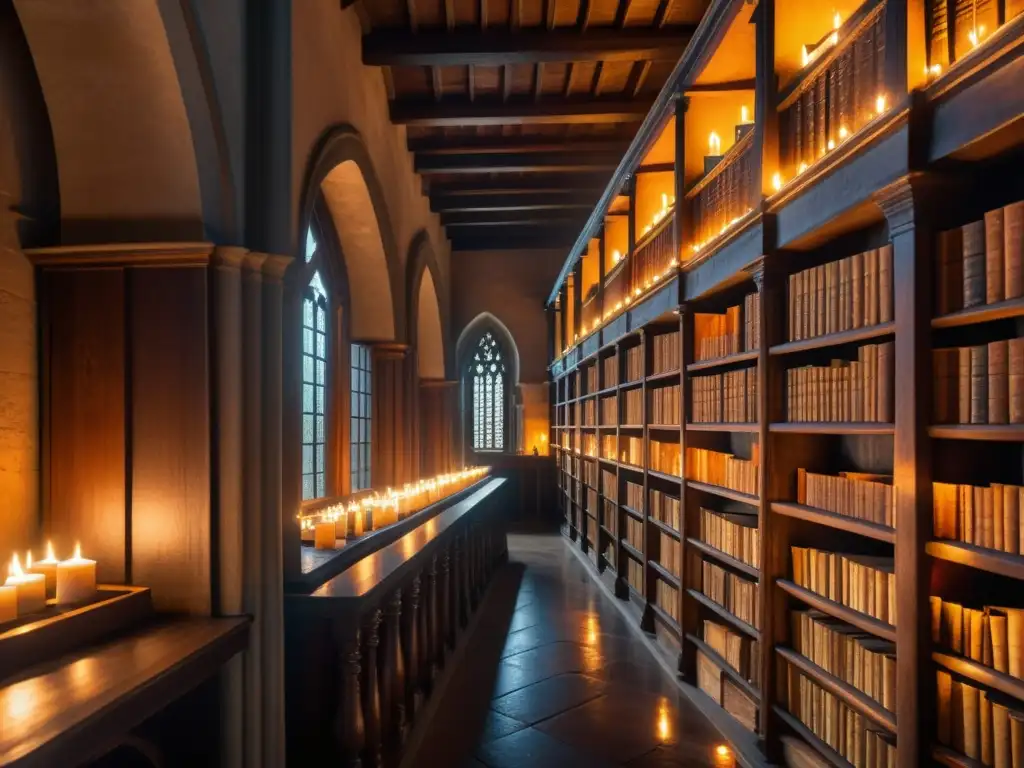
{"points": [[518, 111]]}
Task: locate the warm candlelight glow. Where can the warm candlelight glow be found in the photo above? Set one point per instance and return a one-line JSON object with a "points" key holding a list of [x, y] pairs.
{"points": [[30, 588], [744, 115], [801, 169], [831, 144], [47, 567], [776, 181], [616, 257], [933, 71], [976, 34], [837, 20], [880, 104], [843, 133], [714, 144], [723, 756], [76, 579]]}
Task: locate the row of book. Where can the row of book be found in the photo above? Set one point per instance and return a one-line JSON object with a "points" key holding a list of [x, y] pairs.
{"points": [[609, 485], [725, 397], [734, 593], [665, 457], [632, 451], [592, 379], [589, 413], [845, 391], [608, 412], [725, 693], [611, 370], [610, 516], [982, 384], [855, 657], [589, 470], [861, 495], [864, 583], [992, 636], [843, 729], [980, 263], [724, 470], [665, 405], [670, 554], [667, 352], [634, 364], [985, 516], [633, 406], [635, 497], [635, 575], [981, 725], [666, 597], [592, 506], [734, 534], [635, 533], [589, 444], [742, 653], [855, 292], [666, 509], [609, 447], [716, 335]]}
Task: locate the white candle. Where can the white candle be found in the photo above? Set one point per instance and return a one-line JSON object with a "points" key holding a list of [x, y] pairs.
{"points": [[30, 588], [8, 604], [47, 567], [324, 535], [76, 579]]}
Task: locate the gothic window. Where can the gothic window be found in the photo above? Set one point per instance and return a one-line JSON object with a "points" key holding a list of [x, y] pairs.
{"points": [[360, 421], [487, 375], [314, 386]]}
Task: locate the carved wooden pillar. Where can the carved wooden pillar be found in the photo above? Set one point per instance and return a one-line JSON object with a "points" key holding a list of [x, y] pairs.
{"points": [[392, 677], [438, 408], [390, 462], [371, 692], [446, 634], [411, 648], [349, 725], [432, 610]]}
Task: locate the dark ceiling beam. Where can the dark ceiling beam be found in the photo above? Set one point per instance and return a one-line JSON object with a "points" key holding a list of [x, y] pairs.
{"points": [[520, 218], [512, 238], [494, 47], [518, 162], [725, 87], [602, 111], [535, 201], [504, 145], [562, 182]]}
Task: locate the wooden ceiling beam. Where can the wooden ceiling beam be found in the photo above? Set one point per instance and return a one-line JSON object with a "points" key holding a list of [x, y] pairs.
{"points": [[505, 218], [592, 111], [518, 162], [525, 202], [512, 238], [494, 47], [588, 181], [467, 145], [725, 87]]}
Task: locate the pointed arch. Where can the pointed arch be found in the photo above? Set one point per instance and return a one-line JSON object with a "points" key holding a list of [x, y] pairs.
{"points": [[427, 302], [475, 328]]}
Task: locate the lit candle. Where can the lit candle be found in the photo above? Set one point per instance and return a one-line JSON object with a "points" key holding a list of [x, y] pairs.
{"points": [[714, 152], [8, 604], [76, 579], [324, 534], [30, 587], [47, 567]]}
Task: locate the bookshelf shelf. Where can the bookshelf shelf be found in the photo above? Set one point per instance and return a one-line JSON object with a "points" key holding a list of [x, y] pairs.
{"points": [[801, 730], [951, 759], [631, 384], [665, 574], [986, 313], [745, 685], [665, 619], [630, 468], [832, 427], [664, 427], [1002, 563], [726, 560], [839, 611], [631, 426], [979, 673], [609, 462], [1007, 432], [832, 520], [724, 614], [834, 339], [723, 362], [725, 493], [654, 378], [607, 532], [665, 528], [737, 426], [632, 512], [849, 695], [607, 391], [665, 476], [635, 553]]}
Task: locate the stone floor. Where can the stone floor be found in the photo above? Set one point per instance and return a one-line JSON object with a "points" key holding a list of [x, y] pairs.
{"points": [[556, 678]]}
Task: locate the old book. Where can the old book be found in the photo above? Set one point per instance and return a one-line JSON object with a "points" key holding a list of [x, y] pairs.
{"points": [[834, 294], [885, 382], [949, 282], [979, 384], [1016, 738], [856, 270], [885, 313], [1013, 249], [945, 373], [935, 604], [985, 727], [737, 704], [998, 497], [938, 39], [709, 677], [1015, 377], [952, 623], [998, 383], [1011, 519], [967, 519], [1014, 639], [944, 684], [871, 287], [1000, 736], [974, 264], [995, 269], [972, 735], [944, 499], [964, 385], [997, 637]]}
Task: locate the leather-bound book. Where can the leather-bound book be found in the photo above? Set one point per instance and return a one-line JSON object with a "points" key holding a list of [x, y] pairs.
{"points": [[995, 268], [998, 383], [885, 374], [856, 270], [938, 40], [1013, 249], [945, 364], [944, 505], [964, 385], [949, 281], [979, 384], [885, 313], [974, 264]]}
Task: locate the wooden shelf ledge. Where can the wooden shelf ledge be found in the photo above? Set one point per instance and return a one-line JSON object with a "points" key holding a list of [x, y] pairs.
{"points": [[724, 614], [984, 314], [727, 560], [665, 528], [663, 376], [1001, 563], [832, 520], [833, 339], [831, 756], [979, 673], [833, 427], [743, 684], [843, 691], [665, 476], [725, 493], [839, 611], [631, 384], [632, 512], [1005, 432], [664, 427], [723, 426], [665, 574], [953, 759], [723, 362], [635, 553], [665, 619]]}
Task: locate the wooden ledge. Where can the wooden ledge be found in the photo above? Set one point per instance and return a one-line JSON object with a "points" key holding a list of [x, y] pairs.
{"points": [[76, 710], [122, 254]]}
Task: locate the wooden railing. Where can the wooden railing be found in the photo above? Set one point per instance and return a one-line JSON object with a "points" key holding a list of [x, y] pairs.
{"points": [[364, 650], [723, 196], [955, 29], [616, 287], [591, 312], [843, 90], [653, 255]]}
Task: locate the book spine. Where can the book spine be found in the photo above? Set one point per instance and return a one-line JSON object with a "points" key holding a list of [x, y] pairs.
{"points": [[1013, 249], [885, 313], [995, 268], [979, 384], [974, 264]]}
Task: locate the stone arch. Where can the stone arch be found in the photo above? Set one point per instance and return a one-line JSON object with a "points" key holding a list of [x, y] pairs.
{"points": [[427, 303], [343, 175]]}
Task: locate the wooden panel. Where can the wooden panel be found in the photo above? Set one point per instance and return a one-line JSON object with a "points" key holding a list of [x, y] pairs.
{"points": [[85, 416], [170, 404]]}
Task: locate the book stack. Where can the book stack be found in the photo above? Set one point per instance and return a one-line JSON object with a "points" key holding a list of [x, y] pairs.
{"points": [[611, 370], [666, 597], [665, 405], [667, 352], [991, 635], [589, 476], [981, 725], [862, 583], [633, 406], [847, 732], [751, 322], [635, 575], [983, 384], [855, 292], [608, 415], [716, 335], [634, 363], [735, 535], [592, 505], [609, 516], [589, 445], [591, 379], [741, 652], [724, 469], [861, 495], [665, 457], [635, 533], [589, 413], [846, 653], [635, 497], [633, 451], [665, 508], [727, 397], [609, 485], [671, 556], [609, 449], [845, 391], [985, 516], [732, 592], [980, 263]]}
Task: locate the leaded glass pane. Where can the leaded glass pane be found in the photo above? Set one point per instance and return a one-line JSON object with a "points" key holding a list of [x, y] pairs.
{"points": [[486, 371], [321, 485], [307, 487], [307, 313], [321, 372], [307, 428], [321, 436], [310, 245], [307, 458], [319, 399], [307, 368], [307, 398]]}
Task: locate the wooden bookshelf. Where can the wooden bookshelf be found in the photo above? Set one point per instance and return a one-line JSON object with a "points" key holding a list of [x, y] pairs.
{"points": [[1002, 563], [839, 611], [832, 520]]}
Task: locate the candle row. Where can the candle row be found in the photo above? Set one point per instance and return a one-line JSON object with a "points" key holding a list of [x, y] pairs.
{"points": [[27, 589], [335, 523]]}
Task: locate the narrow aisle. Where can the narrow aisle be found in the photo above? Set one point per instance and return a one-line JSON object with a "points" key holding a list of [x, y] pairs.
{"points": [[555, 677]]}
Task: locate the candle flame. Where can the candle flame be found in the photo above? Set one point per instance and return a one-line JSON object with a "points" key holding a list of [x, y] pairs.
{"points": [[880, 103], [714, 144], [843, 132], [616, 257], [78, 551], [14, 570], [744, 115], [837, 20], [49, 552], [28, 559], [776, 181]]}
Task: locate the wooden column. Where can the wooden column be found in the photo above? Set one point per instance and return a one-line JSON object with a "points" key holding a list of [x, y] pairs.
{"points": [[438, 418], [389, 463], [680, 227], [766, 115]]}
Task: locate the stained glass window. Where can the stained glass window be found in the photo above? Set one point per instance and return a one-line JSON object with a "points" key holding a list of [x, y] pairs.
{"points": [[314, 389], [487, 373], [360, 420], [310, 245]]}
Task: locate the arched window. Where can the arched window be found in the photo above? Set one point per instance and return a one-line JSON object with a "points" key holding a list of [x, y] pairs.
{"points": [[314, 381], [487, 376]]}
